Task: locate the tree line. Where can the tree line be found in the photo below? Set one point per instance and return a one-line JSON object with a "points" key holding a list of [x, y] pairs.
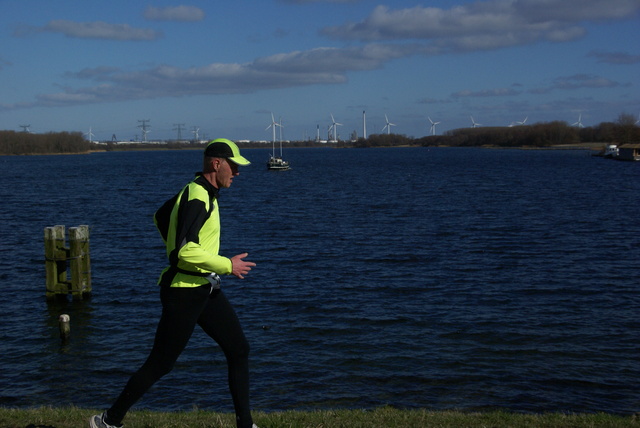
{"points": [[538, 135], [624, 130], [25, 143]]}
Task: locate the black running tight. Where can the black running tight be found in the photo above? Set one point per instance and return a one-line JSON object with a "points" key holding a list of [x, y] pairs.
{"points": [[182, 309]]}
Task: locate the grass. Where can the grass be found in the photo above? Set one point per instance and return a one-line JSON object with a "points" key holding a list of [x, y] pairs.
{"points": [[384, 417]]}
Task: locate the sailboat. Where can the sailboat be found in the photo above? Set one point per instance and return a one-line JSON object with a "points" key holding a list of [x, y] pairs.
{"points": [[276, 163]]}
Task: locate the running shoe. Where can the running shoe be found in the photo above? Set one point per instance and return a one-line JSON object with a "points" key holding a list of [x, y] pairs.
{"points": [[97, 421]]}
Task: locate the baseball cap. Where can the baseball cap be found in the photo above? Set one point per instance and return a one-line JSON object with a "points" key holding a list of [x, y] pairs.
{"points": [[223, 148]]}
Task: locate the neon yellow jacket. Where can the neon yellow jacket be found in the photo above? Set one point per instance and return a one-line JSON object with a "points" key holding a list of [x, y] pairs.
{"points": [[193, 237]]}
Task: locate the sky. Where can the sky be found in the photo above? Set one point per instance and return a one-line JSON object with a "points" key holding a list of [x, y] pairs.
{"points": [[211, 69]]}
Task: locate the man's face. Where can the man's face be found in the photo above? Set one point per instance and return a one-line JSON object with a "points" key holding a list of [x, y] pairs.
{"points": [[227, 170]]}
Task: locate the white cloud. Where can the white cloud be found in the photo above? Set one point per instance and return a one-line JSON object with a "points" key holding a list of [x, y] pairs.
{"points": [[485, 24], [66, 98], [180, 13], [415, 31], [575, 10], [577, 81], [300, 68], [584, 81], [340, 60], [96, 30], [621, 58]]}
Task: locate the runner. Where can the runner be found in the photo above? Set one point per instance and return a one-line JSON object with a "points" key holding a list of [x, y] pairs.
{"points": [[190, 287]]}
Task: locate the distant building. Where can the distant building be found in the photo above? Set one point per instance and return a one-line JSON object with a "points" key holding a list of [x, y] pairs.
{"points": [[630, 152]]}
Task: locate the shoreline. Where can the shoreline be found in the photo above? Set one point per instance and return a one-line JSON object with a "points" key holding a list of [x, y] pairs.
{"points": [[576, 146]]}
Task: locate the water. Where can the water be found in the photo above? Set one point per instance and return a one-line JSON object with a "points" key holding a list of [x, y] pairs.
{"points": [[436, 278]]}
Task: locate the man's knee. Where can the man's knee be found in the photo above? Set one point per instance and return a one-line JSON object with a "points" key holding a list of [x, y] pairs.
{"points": [[158, 367]]}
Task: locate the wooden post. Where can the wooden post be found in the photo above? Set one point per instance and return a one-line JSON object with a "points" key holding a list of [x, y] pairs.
{"points": [[80, 261], [55, 261], [64, 326], [56, 256]]}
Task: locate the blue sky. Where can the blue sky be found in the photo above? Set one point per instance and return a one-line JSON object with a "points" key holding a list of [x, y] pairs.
{"points": [[224, 67]]}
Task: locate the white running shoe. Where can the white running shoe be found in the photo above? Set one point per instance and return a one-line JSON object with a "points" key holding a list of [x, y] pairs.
{"points": [[97, 421]]}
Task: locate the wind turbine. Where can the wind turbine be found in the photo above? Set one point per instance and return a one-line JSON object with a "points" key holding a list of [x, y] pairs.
{"points": [[334, 125], [473, 123], [90, 135], [512, 124], [433, 126], [388, 125], [579, 122]]}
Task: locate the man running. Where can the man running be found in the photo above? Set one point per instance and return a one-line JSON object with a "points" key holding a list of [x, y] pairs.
{"points": [[190, 287]]}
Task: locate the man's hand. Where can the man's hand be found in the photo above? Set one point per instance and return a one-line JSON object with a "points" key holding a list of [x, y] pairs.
{"points": [[241, 267]]}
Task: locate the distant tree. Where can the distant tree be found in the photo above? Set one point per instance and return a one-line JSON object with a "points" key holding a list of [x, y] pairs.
{"points": [[23, 143], [623, 130], [626, 130], [361, 143], [626, 119], [387, 140]]}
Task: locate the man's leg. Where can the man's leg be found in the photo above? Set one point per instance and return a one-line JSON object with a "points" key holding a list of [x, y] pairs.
{"points": [[181, 308], [219, 320]]}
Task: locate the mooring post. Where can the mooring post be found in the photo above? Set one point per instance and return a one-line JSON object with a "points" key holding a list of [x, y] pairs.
{"points": [[55, 254], [80, 261], [56, 257], [64, 326]]}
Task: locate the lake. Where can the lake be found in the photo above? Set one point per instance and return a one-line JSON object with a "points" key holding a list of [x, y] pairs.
{"points": [[437, 278]]}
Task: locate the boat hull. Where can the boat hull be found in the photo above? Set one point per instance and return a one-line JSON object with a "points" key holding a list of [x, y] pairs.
{"points": [[277, 164]]}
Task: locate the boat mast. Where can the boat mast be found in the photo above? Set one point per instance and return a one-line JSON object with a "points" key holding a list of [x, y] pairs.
{"points": [[280, 138]]}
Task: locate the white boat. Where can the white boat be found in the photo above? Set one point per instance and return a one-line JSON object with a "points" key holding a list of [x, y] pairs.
{"points": [[277, 163], [611, 151]]}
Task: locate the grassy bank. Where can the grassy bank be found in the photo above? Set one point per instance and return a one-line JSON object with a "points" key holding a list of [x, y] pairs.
{"points": [[47, 417]]}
